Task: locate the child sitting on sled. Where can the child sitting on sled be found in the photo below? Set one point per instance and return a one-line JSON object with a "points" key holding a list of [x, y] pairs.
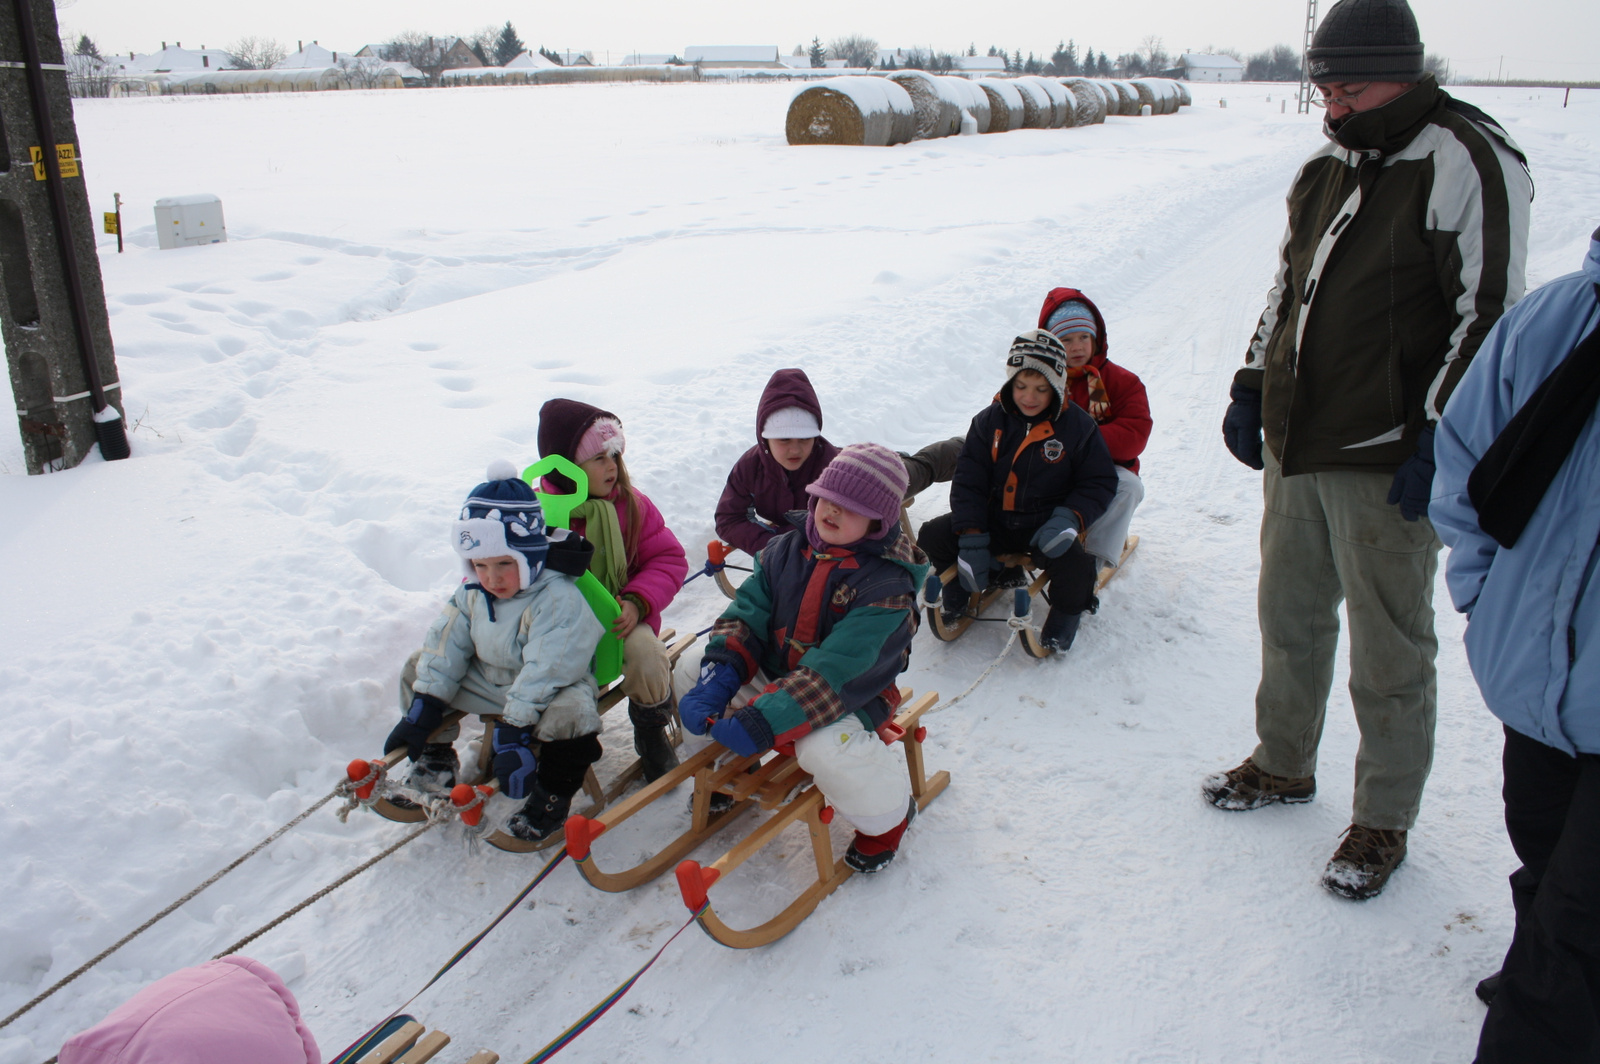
{"points": [[636, 558], [1115, 397], [769, 480], [514, 642], [1033, 474], [808, 652]]}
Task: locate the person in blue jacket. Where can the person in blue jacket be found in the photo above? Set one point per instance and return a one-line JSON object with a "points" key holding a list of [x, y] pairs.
{"points": [[1517, 498]]}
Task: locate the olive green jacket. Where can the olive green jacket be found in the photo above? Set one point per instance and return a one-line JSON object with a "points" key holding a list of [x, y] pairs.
{"points": [[1407, 240]]}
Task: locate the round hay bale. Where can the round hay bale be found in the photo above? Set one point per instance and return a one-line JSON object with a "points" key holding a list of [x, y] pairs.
{"points": [[1037, 110], [973, 100], [1129, 97], [937, 114], [1059, 100], [1005, 104], [1091, 106], [1145, 95], [861, 111], [1109, 95], [1184, 99], [1166, 94], [1158, 94]]}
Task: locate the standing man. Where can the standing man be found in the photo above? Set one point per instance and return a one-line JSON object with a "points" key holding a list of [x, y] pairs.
{"points": [[1406, 242], [1518, 500]]}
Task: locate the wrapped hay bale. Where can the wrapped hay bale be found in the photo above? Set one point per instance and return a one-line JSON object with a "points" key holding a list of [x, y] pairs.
{"points": [[1037, 110], [1129, 96], [1109, 94], [1146, 95], [973, 100], [861, 111], [1184, 99], [938, 115], [1091, 106], [1005, 104], [1060, 100], [1168, 93], [1158, 95]]}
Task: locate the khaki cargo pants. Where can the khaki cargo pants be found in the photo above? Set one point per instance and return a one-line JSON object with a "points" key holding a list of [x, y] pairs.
{"points": [[1327, 538]]}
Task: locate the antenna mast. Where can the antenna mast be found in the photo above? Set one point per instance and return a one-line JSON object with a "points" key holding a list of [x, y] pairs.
{"points": [[1304, 104]]}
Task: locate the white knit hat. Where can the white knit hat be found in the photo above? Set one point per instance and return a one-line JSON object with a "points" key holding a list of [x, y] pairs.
{"points": [[791, 423]]}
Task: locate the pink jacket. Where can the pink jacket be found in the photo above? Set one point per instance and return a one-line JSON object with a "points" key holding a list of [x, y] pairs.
{"points": [[657, 574], [235, 1010]]}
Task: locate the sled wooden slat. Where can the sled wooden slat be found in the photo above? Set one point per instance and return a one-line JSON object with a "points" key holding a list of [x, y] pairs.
{"points": [[484, 1057], [395, 1044], [427, 1047]]}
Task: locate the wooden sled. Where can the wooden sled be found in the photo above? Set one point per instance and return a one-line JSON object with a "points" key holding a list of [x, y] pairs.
{"points": [[405, 1041], [777, 784], [467, 801]]}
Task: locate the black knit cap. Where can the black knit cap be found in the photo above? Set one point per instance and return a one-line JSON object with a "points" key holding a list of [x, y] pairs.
{"points": [[1366, 40]]}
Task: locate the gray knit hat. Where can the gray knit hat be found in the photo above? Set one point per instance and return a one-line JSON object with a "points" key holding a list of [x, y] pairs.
{"points": [[1366, 40]]}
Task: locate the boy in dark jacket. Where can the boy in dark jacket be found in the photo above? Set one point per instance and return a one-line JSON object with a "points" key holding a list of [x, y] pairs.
{"points": [[1033, 474], [807, 654]]}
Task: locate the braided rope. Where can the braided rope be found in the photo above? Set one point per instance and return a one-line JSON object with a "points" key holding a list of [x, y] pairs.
{"points": [[169, 910]]}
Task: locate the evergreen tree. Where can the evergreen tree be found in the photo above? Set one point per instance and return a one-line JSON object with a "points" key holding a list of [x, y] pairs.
{"points": [[995, 53], [888, 64], [819, 54], [1015, 66], [1087, 63], [972, 49], [1103, 65], [508, 45], [86, 46], [1033, 65], [1072, 57], [477, 49], [552, 56]]}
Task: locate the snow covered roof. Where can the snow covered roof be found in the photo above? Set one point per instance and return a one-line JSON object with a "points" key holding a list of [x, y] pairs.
{"points": [[647, 59], [1209, 62], [796, 62], [311, 55], [980, 62], [732, 53], [178, 57], [530, 61]]}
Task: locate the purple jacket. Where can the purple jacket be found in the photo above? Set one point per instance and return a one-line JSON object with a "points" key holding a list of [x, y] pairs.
{"points": [[759, 482]]}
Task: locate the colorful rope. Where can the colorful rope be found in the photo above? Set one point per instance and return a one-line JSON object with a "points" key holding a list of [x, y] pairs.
{"points": [[565, 1038]]}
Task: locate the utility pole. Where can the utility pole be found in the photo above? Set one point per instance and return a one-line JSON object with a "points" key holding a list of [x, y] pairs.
{"points": [[1303, 106], [52, 303]]}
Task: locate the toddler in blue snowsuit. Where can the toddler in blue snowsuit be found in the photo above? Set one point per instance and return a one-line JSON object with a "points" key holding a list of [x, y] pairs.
{"points": [[514, 642]]}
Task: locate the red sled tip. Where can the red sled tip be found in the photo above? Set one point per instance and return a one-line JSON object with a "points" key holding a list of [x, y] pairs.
{"points": [[693, 882], [581, 833], [357, 770], [468, 801], [716, 552]]}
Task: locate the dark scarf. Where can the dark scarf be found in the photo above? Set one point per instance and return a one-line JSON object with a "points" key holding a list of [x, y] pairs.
{"points": [[1517, 469]]}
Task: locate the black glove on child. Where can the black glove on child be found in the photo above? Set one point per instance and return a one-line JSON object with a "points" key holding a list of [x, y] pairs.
{"points": [[1241, 425], [421, 720]]}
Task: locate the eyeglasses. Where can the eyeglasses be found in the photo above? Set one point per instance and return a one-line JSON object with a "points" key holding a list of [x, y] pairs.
{"points": [[1347, 99]]}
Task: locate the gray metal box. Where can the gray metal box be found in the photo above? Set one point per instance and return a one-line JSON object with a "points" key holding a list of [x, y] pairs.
{"points": [[184, 221]]}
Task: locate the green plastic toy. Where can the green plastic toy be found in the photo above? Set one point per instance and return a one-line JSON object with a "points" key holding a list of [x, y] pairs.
{"points": [[607, 663]]}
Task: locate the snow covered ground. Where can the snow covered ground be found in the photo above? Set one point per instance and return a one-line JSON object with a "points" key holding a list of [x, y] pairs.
{"points": [[197, 639]]}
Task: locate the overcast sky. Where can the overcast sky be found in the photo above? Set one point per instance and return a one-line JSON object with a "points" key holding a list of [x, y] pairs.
{"points": [[1537, 38]]}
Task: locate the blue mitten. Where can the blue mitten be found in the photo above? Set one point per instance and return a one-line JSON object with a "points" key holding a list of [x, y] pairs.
{"points": [[421, 720], [1413, 481], [709, 696], [973, 562], [1056, 535], [1241, 426], [732, 734], [514, 763]]}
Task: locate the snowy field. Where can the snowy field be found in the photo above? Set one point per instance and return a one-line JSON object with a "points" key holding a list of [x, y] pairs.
{"points": [[198, 639]]}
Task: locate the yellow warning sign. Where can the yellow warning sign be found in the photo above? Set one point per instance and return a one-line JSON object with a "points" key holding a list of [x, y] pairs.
{"points": [[111, 222], [66, 158]]}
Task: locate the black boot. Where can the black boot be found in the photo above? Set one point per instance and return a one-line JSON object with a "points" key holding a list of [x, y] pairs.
{"points": [[953, 603], [650, 740], [434, 772], [1060, 629], [541, 816]]}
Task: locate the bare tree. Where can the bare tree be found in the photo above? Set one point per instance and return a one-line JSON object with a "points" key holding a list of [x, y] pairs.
{"points": [[1438, 66], [362, 72], [257, 53], [421, 50], [482, 42], [856, 50], [1155, 55]]}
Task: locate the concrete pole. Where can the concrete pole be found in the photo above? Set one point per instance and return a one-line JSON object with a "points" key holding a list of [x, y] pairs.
{"points": [[53, 318]]}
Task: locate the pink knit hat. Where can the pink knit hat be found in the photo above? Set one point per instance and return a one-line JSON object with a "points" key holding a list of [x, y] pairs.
{"points": [[867, 479], [602, 437]]}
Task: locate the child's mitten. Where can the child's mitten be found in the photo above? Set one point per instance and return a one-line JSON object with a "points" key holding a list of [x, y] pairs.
{"points": [[421, 720], [709, 696], [1056, 535], [514, 763], [732, 734], [973, 562]]}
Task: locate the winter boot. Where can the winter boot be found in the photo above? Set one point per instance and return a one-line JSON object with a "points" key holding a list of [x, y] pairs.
{"points": [[434, 772], [1363, 862], [1488, 987], [953, 603], [1009, 577], [1247, 787], [872, 853], [650, 740], [541, 816], [1060, 629]]}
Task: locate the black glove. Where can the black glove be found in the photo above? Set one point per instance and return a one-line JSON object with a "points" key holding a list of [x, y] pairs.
{"points": [[973, 562], [1241, 425], [1413, 481], [514, 763], [1055, 537], [421, 720]]}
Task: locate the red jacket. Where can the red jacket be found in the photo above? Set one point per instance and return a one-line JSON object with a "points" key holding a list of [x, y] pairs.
{"points": [[1126, 426]]}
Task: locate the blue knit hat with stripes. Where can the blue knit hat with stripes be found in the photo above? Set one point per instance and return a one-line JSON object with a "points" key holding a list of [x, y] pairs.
{"points": [[502, 518]]}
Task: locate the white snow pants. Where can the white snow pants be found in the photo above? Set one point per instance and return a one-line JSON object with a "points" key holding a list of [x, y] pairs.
{"points": [[863, 778], [1105, 537]]}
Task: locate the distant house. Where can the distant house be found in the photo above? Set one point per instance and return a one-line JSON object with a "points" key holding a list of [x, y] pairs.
{"points": [[733, 55], [458, 53], [576, 59], [530, 61], [796, 62], [980, 64], [1199, 67], [176, 58], [649, 59], [310, 57]]}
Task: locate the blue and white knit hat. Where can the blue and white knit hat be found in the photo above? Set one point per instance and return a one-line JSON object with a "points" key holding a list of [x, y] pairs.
{"points": [[502, 517], [1072, 317]]}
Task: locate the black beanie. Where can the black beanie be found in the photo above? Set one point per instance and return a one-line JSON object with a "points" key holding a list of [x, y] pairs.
{"points": [[1366, 40]]}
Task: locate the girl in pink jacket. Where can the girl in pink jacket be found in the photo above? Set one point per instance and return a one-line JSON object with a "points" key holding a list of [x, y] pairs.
{"points": [[636, 557]]}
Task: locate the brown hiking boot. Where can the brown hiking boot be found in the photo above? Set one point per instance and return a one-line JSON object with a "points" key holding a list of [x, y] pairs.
{"points": [[1247, 787], [1362, 863]]}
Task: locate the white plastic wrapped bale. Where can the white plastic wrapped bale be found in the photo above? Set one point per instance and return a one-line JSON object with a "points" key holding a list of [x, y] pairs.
{"points": [[1005, 104], [974, 101], [938, 113], [1037, 110], [1129, 96], [1091, 106], [862, 111]]}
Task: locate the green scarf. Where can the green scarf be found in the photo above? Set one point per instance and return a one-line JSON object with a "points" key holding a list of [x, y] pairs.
{"points": [[602, 528]]}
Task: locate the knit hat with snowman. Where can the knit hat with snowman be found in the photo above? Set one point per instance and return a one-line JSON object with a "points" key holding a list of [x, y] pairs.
{"points": [[501, 518]]}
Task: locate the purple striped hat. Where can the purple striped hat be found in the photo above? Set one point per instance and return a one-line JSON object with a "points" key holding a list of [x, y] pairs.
{"points": [[867, 479]]}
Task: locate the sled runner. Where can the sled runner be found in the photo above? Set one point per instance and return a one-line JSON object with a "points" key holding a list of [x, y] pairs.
{"points": [[1022, 604], [777, 784], [403, 1040]]}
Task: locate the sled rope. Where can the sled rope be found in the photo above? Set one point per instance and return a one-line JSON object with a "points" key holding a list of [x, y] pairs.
{"points": [[325, 891], [982, 676], [566, 1038], [175, 906]]}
